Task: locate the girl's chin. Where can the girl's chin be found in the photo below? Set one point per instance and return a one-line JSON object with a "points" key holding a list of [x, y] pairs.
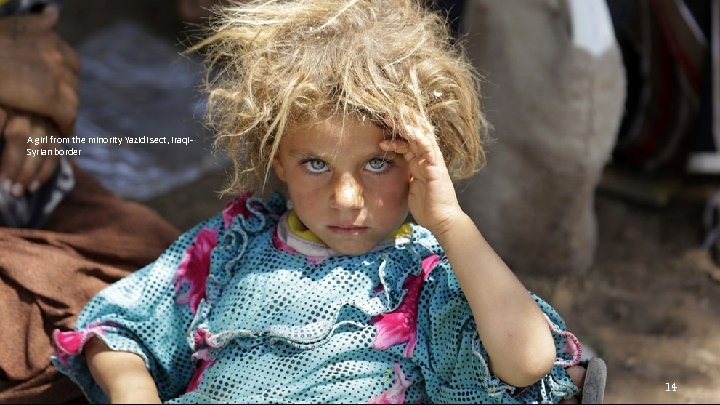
{"points": [[351, 249]]}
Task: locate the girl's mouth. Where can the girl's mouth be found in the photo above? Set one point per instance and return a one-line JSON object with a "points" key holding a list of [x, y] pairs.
{"points": [[348, 229]]}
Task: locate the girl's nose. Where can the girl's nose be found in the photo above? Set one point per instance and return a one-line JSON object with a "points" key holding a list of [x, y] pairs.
{"points": [[348, 192]]}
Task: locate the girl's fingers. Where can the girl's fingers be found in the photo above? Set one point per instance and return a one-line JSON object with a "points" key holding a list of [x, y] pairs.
{"points": [[419, 147], [399, 146], [426, 144], [414, 148]]}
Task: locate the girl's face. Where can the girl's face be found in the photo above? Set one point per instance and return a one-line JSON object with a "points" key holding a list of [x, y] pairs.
{"points": [[343, 187]]}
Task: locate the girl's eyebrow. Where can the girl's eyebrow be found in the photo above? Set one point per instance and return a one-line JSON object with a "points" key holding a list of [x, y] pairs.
{"points": [[308, 154], [301, 153], [304, 154]]}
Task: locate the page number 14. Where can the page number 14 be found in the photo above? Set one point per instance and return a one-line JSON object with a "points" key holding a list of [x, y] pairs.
{"points": [[671, 387]]}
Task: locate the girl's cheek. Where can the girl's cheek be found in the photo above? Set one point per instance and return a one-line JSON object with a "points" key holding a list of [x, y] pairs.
{"points": [[396, 193]]}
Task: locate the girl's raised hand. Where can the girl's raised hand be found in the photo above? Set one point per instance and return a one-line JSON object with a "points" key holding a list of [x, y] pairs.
{"points": [[431, 200]]}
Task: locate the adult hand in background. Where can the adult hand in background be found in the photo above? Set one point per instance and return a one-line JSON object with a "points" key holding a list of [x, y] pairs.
{"points": [[38, 69], [25, 166]]}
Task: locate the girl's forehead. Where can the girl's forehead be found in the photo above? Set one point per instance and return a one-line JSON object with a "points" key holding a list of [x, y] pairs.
{"points": [[334, 130], [334, 137]]}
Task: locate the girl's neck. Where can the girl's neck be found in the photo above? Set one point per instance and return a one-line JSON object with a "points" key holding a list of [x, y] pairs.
{"points": [[296, 235]]}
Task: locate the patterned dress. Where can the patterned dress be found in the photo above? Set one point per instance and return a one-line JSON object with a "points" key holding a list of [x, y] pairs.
{"points": [[244, 309]]}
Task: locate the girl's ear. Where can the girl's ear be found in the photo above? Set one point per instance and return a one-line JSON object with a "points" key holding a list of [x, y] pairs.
{"points": [[279, 168]]}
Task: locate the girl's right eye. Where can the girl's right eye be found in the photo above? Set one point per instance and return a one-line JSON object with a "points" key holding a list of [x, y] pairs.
{"points": [[315, 166]]}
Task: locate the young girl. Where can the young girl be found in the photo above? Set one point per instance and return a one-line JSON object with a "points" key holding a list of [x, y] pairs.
{"points": [[366, 113]]}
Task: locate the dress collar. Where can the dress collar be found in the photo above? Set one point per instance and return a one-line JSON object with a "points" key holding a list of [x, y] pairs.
{"points": [[297, 236]]}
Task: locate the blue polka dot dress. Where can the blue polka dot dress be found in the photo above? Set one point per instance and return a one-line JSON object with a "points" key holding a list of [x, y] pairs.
{"points": [[234, 313]]}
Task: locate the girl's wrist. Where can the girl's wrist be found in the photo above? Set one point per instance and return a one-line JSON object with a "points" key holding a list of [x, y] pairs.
{"points": [[457, 221]]}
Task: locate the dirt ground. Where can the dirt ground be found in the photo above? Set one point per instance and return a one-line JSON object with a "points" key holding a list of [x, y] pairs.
{"points": [[650, 304]]}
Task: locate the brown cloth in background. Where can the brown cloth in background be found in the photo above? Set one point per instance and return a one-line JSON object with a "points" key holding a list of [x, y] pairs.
{"points": [[46, 276]]}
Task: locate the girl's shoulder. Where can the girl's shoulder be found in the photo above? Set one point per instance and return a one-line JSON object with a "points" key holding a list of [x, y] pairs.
{"points": [[243, 217], [424, 242], [252, 213]]}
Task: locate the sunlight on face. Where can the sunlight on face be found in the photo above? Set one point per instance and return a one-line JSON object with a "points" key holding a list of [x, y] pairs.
{"points": [[344, 188]]}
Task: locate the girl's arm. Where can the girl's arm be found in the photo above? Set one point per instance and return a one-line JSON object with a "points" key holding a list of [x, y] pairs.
{"points": [[511, 326], [121, 375]]}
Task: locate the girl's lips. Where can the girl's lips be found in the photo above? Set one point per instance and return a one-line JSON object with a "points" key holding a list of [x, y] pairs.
{"points": [[348, 230]]}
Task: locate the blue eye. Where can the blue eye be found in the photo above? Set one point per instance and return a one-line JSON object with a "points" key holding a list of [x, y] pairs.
{"points": [[377, 165], [315, 166]]}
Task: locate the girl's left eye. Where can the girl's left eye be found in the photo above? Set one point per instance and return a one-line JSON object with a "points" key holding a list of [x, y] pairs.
{"points": [[377, 165], [315, 166]]}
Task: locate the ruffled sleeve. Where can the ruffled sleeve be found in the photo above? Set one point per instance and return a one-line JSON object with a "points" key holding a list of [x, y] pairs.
{"points": [[452, 359], [146, 313], [156, 312]]}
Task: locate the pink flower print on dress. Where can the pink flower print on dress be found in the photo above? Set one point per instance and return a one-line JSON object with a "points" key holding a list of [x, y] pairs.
{"points": [[239, 206], [280, 244], [200, 337], [396, 393], [202, 365], [315, 260], [400, 325], [69, 344], [195, 268]]}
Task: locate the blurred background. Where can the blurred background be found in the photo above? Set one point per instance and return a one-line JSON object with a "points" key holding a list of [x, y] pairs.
{"points": [[600, 188]]}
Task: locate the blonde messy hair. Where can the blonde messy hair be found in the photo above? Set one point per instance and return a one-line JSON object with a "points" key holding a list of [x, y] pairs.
{"points": [[276, 63]]}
